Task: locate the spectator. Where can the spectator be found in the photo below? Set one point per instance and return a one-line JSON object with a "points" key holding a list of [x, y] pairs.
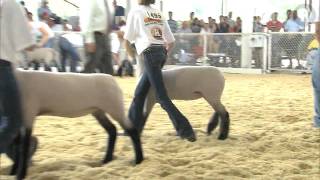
{"points": [[274, 25], [257, 52], [96, 22], [205, 28], [119, 12], [230, 22], [289, 12], [214, 28], [24, 5], [172, 23], [185, 28], [316, 81], [117, 45], [223, 25], [290, 43], [257, 25], [183, 42], [237, 28], [293, 24], [297, 19], [66, 48], [15, 37], [210, 19], [66, 25], [191, 16], [41, 32], [196, 26], [44, 10]]}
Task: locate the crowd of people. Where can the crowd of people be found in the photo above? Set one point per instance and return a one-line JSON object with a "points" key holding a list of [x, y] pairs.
{"points": [[227, 24]]}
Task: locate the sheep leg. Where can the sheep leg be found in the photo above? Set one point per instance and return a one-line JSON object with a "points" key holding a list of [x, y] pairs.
{"points": [[47, 68], [24, 152], [224, 126], [223, 113], [135, 137], [36, 65], [13, 154], [112, 131], [213, 123]]}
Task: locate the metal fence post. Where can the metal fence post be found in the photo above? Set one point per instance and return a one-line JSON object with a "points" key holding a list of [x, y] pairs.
{"points": [[205, 49], [265, 52], [269, 56]]}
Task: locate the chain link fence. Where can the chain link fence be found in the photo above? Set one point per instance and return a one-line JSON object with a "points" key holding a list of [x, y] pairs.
{"points": [[266, 51], [289, 51], [222, 50]]}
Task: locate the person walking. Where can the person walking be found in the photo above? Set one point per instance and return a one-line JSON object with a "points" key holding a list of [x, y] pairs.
{"points": [[15, 36], [96, 22], [316, 80], [150, 32]]}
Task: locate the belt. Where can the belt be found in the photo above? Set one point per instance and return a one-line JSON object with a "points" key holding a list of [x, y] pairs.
{"points": [[99, 33], [154, 47]]}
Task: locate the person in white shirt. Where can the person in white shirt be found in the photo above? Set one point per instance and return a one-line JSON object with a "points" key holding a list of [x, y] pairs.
{"points": [[96, 22], [15, 36], [150, 32]]}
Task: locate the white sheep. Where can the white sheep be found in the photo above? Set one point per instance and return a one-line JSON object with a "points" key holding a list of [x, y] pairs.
{"points": [[72, 95], [190, 83], [47, 56]]}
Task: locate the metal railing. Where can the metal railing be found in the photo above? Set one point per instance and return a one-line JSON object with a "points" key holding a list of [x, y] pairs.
{"points": [[265, 51], [288, 51]]}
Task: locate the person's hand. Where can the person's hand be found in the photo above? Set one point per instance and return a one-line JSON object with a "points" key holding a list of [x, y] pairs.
{"points": [[90, 47]]}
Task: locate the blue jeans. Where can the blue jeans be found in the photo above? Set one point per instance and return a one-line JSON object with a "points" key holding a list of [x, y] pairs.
{"points": [[316, 88], [154, 59], [66, 48], [10, 106]]}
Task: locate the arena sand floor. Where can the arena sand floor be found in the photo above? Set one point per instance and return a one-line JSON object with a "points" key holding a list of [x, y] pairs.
{"points": [[271, 137]]}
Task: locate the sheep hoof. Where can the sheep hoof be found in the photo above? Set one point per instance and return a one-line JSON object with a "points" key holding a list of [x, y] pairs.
{"points": [[137, 161], [223, 136], [107, 160], [191, 138]]}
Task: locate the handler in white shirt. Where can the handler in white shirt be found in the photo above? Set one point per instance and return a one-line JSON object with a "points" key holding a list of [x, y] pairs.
{"points": [[15, 36], [150, 32], [95, 22]]}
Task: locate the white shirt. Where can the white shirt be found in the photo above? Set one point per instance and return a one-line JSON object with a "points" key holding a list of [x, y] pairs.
{"points": [[15, 32], [36, 30], [94, 17], [146, 26]]}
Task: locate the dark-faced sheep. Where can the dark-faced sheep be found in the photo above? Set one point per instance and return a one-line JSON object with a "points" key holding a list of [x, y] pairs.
{"points": [[190, 83], [72, 95]]}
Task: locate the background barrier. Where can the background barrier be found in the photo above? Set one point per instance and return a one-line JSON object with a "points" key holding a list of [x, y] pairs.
{"points": [[261, 51]]}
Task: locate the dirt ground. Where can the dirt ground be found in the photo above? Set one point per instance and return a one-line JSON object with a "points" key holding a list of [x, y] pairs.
{"points": [[271, 137]]}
